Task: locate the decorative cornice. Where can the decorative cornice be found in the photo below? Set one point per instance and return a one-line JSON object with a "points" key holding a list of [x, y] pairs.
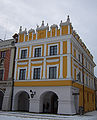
{"points": [[7, 43]]}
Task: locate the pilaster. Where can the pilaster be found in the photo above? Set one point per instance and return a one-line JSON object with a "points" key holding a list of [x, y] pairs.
{"points": [[56, 31], [36, 35], [17, 53], [44, 66], [15, 70], [61, 59], [60, 31], [69, 29]]}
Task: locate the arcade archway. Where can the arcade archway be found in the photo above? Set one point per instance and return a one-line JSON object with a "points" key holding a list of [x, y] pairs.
{"points": [[49, 102], [1, 99]]}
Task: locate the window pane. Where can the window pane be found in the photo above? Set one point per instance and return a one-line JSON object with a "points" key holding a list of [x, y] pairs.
{"points": [[37, 52], [23, 54], [53, 50], [52, 72], [36, 73], [22, 74]]}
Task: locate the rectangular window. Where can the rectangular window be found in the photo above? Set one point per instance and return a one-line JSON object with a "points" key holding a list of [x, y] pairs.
{"points": [[52, 72], [23, 54], [1, 74], [37, 52], [3, 53], [36, 73], [53, 50], [22, 74], [79, 77], [79, 57]]}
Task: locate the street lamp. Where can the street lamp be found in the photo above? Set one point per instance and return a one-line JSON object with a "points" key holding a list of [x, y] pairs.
{"points": [[32, 93]]}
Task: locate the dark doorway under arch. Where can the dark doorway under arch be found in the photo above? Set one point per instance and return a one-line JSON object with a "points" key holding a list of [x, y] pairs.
{"points": [[1, 99], [23, 101], [49, 102]]}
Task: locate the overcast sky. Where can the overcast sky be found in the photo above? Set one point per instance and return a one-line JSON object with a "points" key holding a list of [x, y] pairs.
{"points": [[29, 13]]}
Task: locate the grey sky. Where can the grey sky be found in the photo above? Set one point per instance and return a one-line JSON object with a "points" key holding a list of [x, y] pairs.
{"points": [[29, 13]]}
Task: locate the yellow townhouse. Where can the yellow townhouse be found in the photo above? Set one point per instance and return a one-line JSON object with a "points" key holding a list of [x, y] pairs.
{"points": [[54, 71]]}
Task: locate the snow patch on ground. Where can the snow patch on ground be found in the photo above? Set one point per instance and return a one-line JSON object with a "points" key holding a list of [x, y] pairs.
{"points": [[32, 116]]}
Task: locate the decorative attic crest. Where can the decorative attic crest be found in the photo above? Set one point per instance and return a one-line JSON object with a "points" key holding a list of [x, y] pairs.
{"points": [[68, 19], [42, 23], [42, 27], [20, 30], [67, 22]]}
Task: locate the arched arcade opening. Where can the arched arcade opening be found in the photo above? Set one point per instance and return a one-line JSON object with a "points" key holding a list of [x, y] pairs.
{"points": [[1, 99], [22, 101], [49, 102]]}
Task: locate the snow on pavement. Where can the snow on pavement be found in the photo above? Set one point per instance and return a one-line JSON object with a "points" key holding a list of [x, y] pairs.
{"points": [[32, 116]]}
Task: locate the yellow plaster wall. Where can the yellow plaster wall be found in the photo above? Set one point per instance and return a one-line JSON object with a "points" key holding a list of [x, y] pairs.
{"points": [[26, 38], [65, 30], [48, 34], [64, 66], [58, 32], [74, 74], [71, 48], [88, 105], [53, 32], [65, 47], [41, 34], [30, 36], [34, 36], [44, 83], [21, 37]]}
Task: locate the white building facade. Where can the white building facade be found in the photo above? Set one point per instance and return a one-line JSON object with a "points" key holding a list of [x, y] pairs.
{"points": [[48, 64]]}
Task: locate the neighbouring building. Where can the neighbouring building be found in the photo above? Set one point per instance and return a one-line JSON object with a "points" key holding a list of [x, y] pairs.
{"points": [[54, 71], [7, 54], [96, 92]]}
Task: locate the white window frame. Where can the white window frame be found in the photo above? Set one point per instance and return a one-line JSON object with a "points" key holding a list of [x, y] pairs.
{"points": [[35, 48], [33, 71], [48, 66], [21, 50], [53, 45], [19, 68]]}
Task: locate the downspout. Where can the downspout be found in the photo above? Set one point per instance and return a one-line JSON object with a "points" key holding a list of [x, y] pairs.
{"points": [[13, 80]]}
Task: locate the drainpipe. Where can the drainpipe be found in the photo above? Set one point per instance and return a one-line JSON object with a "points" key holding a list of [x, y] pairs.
{"points": [[13, 80]]}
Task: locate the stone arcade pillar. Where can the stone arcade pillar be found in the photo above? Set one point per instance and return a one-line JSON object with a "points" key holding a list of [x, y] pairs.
{"points": [[34, 105]]}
